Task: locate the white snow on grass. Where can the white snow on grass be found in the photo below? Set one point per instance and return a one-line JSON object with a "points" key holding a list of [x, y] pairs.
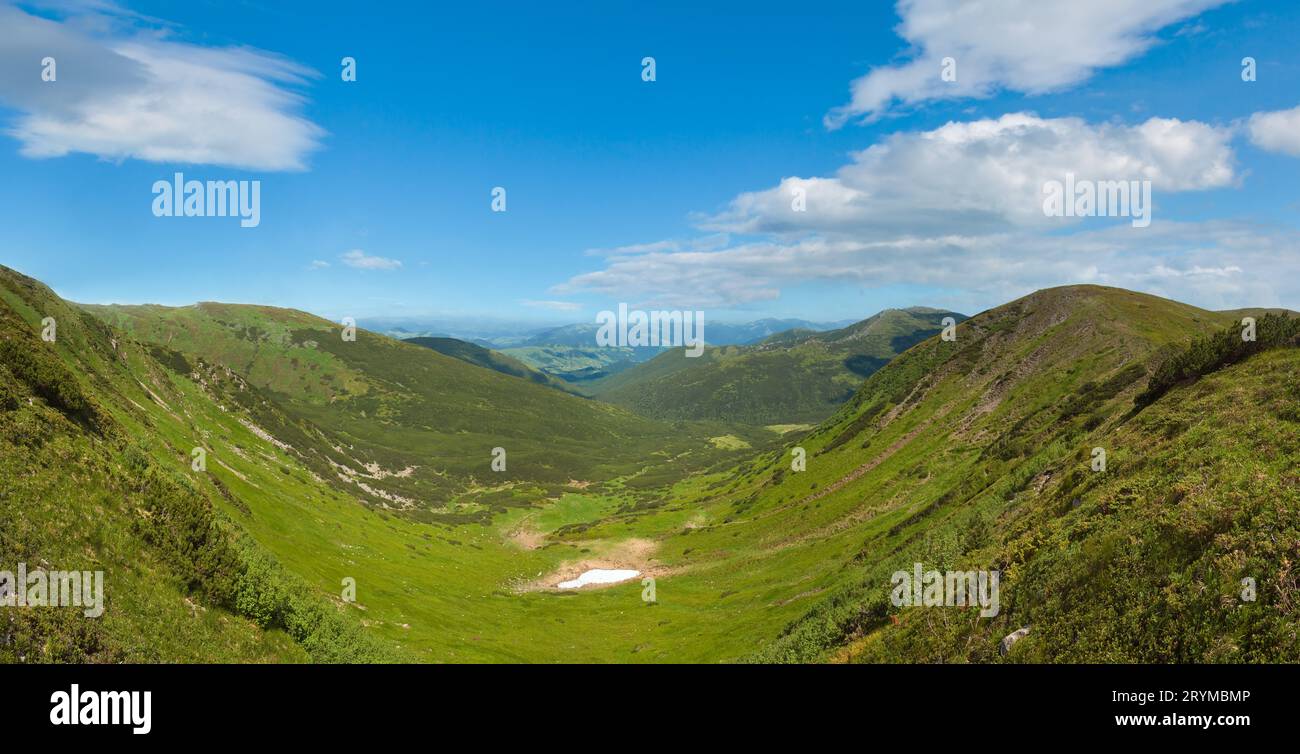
{"points": [[600, 576]]}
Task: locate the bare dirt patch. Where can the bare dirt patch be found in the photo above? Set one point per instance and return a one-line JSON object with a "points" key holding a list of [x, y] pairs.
{"points": [[631, 554], [526, 538]]}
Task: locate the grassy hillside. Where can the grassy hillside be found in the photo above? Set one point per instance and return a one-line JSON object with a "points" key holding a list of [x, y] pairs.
{"points": [[792, 377], [243, 561], [977, 455], [489, 359], [580, 365], [409, 427], [95, 452], [258, 543], [973, 454], [1144, 562]]}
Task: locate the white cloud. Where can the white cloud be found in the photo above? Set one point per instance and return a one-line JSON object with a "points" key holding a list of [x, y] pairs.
{"points": [[982, 176], [1162, 270], [318, 264], [1277, 131], [699, 243], [555, 306], [960, 208], [1212, 264], [126, 92], [1028, 46], [363, 261]]}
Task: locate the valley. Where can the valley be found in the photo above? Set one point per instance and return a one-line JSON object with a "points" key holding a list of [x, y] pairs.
{"points": [[370, 461]]}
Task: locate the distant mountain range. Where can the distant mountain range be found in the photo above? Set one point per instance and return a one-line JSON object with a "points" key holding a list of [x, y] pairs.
{"points": [[715, 333], [793, 374], [478, 330], [485, 357], [570, 352], [506, 334]]}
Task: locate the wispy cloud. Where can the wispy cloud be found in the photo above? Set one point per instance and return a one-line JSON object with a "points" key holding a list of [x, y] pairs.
{"points": [[699, 243], [1214, 264], [126, 90], [555, 306], [363, 261], [318, 264], [1026, 46]]}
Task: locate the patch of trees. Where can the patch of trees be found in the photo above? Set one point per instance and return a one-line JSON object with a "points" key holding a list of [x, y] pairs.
{"points": [[1214, 352]]}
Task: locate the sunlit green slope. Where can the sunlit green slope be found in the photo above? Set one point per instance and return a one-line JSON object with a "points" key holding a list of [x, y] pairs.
{"points": [[793, 377], [490, 359], [974, 454], [417, 426], [96, 442], [977, 454]]}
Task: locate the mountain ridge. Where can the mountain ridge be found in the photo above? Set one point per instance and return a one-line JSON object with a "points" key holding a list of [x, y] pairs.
{"points": [[790, 377], [487, 358]]}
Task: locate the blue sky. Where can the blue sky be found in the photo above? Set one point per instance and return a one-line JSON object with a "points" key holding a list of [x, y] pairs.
{"points": [[665, 193]]}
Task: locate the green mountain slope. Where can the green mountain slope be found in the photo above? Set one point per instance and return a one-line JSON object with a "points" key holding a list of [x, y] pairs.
{"points": [[797, 376], [970, 454], [580, 365], [489, 359], [410, 427], [244, 560], [977, 455], [96, 439]]}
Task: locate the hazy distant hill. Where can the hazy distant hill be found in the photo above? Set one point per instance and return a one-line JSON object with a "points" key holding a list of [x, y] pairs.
{"points": [[715, 333], [570, 352], [489, 359], [795, 376]]}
